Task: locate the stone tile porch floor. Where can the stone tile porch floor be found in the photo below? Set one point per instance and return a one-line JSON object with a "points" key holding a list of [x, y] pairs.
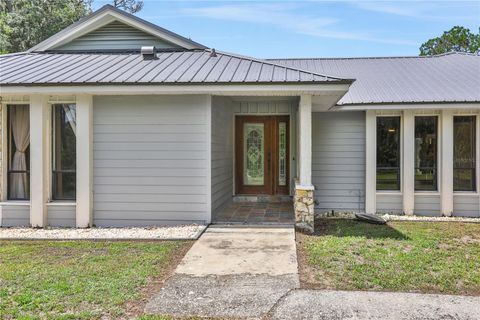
{"points": [[275, 213]]}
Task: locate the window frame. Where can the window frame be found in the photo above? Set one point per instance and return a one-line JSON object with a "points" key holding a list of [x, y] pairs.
{"points": [[400, 150], [438, 153], [8, 153], [53, 172], [477, 152]]}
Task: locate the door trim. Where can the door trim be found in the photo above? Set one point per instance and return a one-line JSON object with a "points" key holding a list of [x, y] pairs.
{"points": [[272, 178]]}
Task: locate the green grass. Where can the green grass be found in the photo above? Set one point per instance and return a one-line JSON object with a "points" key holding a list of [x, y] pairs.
{"points": [[432, 257], [78, 279]]}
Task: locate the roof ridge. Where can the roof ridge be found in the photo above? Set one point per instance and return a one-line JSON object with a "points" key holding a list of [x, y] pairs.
{"points": [[13, 54], [379, 57], [265, 61]]}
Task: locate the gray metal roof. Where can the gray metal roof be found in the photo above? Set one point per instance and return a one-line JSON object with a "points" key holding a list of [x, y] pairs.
{"points": [[453, 77], [181, 67]]}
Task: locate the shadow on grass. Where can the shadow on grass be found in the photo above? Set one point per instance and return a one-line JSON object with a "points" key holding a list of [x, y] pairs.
{"points": [[355, 228]]}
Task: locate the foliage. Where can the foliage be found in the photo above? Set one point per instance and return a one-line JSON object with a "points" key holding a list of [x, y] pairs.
{"points": [[458, 39], [25, 23], [132, 6], [436, 257], [79, 279]]}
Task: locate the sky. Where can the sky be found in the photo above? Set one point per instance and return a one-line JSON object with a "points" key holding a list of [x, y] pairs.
{"points": [[293, 29]]}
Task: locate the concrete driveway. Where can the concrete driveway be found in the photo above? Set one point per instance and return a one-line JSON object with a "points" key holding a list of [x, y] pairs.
{"points": [[238, 272], [362, 305]]}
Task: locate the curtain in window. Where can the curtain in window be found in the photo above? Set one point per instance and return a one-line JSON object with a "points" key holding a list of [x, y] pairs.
{"points": [[20, 124], [71, 116]]}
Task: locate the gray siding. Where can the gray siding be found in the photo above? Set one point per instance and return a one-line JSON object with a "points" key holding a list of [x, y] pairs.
{"points": [[427, 205], [390, 203], [150, 160], [61, 215], [222, 152], [115, 36], [15, 215], [338, 160], [466, 205]]}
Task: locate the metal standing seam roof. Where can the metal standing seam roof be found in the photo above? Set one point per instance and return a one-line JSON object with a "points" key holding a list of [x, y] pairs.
{"points": [[452, 77], [169, 67]]}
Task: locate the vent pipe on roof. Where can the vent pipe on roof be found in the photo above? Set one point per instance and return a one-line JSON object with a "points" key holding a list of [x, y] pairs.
{"points": [[148, 52], [213, 53]]}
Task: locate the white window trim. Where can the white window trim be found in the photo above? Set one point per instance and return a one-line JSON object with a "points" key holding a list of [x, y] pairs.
{"points": [[52, 103], [477, 123], [429, 113], [390, 114]]}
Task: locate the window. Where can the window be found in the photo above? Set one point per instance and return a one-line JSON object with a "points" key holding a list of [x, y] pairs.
{"points": [[388, 153], [18, 120], [426, 153], [464, 153], [64, 152]]}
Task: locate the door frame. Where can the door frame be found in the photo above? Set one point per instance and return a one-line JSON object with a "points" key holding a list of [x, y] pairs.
{"points": [[271, 182]]}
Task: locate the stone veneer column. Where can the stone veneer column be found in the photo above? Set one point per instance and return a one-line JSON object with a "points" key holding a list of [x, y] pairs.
{"points": [[303, 201], [304, 208]]}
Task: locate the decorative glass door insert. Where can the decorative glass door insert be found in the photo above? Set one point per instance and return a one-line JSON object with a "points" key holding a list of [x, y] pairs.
{"points": [[253, 162]]}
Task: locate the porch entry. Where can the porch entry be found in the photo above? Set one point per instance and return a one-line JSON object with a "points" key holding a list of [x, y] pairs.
{"points": [[262, 155]]}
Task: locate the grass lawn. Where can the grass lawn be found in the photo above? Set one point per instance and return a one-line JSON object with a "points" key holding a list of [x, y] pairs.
{"points": [[82, 279], [434, 257]]}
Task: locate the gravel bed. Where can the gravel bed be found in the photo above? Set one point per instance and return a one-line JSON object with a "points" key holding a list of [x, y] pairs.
{"points": [[394, 217], [391, 217], [148, 233]]}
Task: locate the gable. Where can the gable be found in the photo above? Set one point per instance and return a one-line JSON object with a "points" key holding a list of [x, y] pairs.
{"points": [[115, 36], [110, 28]]}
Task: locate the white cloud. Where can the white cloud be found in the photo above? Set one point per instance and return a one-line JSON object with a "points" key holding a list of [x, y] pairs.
{"points": [[431, 10], [284, 16]]}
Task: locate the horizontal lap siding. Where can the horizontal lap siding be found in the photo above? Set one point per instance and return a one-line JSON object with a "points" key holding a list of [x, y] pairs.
{"points": [[222, 152], [338, 160], [15, 215], [150, 160], [61, 216], [466, 205], [427, 205], [116, 35], [390, 203]]}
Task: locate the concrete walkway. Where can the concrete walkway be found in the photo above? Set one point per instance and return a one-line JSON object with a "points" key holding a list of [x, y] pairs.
{"points": [[238, 272]]}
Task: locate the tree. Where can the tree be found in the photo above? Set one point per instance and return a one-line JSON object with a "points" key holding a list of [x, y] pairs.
{"points": [[458, 39], [132, 6], [25, 23]]}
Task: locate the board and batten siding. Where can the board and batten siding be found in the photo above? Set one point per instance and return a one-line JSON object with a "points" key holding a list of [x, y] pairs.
{"points": [[15, 215], [466, 205], [150, 160], [61, 215], [338, 161], [115, 36], [222, 152]]}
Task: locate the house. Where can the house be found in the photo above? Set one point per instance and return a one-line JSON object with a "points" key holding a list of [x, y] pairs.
{"points": [[115, 121]]}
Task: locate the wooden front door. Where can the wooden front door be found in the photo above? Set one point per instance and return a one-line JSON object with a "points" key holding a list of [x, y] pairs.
{"points": [[262, 154]]}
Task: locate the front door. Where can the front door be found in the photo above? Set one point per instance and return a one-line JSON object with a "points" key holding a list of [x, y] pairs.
{"points": [[262, 152]]}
